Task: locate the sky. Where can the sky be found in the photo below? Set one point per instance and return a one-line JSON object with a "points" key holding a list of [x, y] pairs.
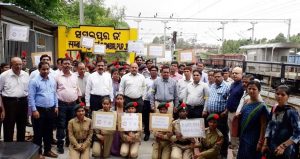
{"points": [[211, 33]]}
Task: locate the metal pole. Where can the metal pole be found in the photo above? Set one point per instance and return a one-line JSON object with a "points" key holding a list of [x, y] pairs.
{"points": [[165, 32], [81, 12], [223, 30], [289, 30], [138, 27], [252, 38]]}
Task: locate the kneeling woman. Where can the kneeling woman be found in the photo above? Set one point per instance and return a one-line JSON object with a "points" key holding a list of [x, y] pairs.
{"points": [[80, 134]]}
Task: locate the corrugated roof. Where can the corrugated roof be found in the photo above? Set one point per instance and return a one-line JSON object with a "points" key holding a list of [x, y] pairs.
{"points": [[272, 45], [27, 13]]}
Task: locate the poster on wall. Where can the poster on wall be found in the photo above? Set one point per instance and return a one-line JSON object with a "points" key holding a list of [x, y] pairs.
{"points": [[17, 33]]}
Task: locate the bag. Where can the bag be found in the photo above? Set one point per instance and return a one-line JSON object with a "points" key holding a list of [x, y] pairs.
{"points": [[235, 126]]}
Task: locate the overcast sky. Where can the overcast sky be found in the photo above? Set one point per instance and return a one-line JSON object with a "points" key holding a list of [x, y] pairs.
{"points": [[208, 32]]}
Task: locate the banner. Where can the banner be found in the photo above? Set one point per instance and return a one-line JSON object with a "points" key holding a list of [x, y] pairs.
{"points": [[17, 33]]}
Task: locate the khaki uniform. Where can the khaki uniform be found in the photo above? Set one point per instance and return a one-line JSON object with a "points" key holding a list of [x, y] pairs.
{"points": [[130, 149], [210, 145], [104, 146], [181, 149], [80, 135], [161, 147]]}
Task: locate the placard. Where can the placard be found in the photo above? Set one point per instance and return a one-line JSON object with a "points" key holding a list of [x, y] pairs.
{"points": [[130, 122], [87, 42], [186, 56], [156, 51], [160, 122], [137, 47], [17, 33], [104, 120], [99, 49], [35, 57], [192, 128]]}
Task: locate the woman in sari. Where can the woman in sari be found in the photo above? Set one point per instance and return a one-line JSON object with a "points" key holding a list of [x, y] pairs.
{"points": [[283, 131], [253, 123]]}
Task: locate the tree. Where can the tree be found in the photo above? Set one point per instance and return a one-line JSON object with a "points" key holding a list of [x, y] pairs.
{"points": [[280, 38]]}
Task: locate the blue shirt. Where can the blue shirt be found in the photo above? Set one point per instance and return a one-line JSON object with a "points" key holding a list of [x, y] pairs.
{"points": [[42, 93], [235, 94], [217, 98]]}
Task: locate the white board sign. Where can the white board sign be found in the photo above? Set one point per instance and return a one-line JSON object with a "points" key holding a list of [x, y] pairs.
{"points": [[104, 120], [192, 128], [87, 42], [186, 57], [160, 122], [17, 33], [137, 47], [130, 122], [99, 49], [156, 51]]}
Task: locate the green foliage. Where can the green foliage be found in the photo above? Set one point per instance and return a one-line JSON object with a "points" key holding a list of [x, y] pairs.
{"points": [[280, 38]]}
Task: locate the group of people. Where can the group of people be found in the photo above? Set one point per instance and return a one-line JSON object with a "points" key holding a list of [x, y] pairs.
{"points": [[64, 99]]}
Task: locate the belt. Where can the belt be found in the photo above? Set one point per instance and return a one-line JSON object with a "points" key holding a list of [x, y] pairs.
{"points": [[194, 106], [15, 98], [133, 98], [164, 101], [44, 108], [67, 103], [99, 95]]}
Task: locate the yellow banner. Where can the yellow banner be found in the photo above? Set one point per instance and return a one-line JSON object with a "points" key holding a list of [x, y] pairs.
{"points": [[114, 39]]}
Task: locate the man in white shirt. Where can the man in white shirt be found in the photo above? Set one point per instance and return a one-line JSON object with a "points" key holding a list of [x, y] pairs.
{"points": [[182, 83], [82, 78], [226, 77], [196, 95], [132, 86], [13, 100], [99, 85]]}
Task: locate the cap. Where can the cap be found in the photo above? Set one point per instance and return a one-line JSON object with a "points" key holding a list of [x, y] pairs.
{"points": [[132, 104], [182, 106], [80, 105], [163, 105], [212, 117]]}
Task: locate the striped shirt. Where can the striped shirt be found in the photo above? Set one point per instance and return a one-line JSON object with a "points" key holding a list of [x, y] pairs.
{"points": [[217, 98]]}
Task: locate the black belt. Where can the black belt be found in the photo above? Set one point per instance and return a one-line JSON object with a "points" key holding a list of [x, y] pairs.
{"points": [[44, 108], [167, 101], [15, 98], [99, 96], [195, 106], [67, 103], [133, 98]]}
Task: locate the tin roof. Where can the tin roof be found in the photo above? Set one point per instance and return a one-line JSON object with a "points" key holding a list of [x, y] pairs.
{"points": [[272, 45], [30, 14]]}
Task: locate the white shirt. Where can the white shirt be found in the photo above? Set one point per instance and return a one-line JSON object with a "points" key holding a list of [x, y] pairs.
{"points": [[35, 73], [181, 87], [229, 81], [82, 81], [12, 85], [132, 86], [196, 94], [100, 85], [148, 91]]}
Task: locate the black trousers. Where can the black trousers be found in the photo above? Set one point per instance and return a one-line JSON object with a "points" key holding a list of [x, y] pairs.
{"points": [[16, 110], [195, 112], [96, 102], [43, 127], [138, 100], [145, 116], [223, 127]]}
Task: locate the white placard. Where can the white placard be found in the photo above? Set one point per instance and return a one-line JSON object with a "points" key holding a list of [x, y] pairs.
{"points": [[137, 47], [186, 57], [99, 49], [192, 128], [17, 33], [36, 60], [130, 122], [104, 120], [160, 122], [87, 42], [156, 51]]}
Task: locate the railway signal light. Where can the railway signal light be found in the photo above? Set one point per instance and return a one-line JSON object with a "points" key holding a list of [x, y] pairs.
{"points": [[174, 39]]}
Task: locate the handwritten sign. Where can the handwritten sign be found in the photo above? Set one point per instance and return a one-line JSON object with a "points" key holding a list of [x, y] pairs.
{"points": [[160, 122], [130, 122], [87, 42], [186, 57], [99, 49], [192, 128], [17, 33], [104, 120], [156, 51], [137, 47]]}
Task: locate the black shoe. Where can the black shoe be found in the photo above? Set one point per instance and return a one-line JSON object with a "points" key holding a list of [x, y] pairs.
{"points": [[50, 154], [146, 138], [54, 142], [28, 124], [60, 150]]}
